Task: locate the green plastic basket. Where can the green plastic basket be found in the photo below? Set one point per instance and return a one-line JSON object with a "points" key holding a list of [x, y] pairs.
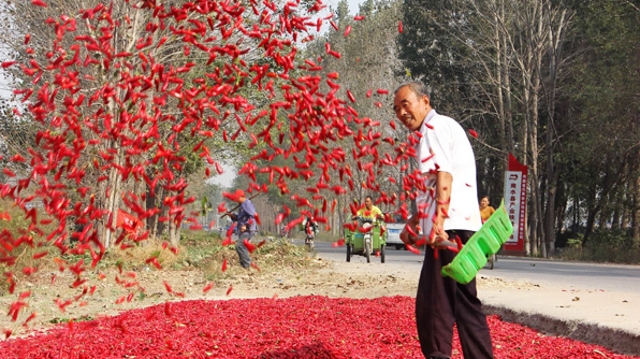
{"points": [[485, 242]]}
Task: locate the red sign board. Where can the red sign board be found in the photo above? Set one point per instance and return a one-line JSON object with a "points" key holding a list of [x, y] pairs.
{"points": [[515, 199]]}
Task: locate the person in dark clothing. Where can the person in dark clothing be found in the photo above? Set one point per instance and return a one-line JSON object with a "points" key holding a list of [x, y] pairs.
{"points": [[245, 226], [311, 228], [449, 210]]}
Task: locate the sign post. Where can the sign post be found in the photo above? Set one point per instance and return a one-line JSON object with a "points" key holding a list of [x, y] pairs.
{"points": [[515, 198]]}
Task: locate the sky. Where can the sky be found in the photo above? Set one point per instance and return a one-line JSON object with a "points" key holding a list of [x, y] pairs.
{"points": [[353, 5], [226, 178]]}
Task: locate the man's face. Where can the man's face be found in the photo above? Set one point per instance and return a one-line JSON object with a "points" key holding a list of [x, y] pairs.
{"points": [[368, 203], [411, 109]]}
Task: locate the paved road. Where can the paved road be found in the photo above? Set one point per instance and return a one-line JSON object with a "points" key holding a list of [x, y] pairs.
{"points": [[595, 303], [620, 278], [609, 277], [393, 256]]}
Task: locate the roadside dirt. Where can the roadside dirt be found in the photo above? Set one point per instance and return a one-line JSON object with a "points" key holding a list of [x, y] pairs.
{"points": [[58, 301], [115, 292]]}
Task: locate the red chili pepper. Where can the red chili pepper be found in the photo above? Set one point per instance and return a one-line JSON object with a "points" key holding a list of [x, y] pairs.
{"points": [[39, 3], [351, 97], [167, 286], [412, 249], [250, 246], [347, 30], [207, 287], [338, 243]]}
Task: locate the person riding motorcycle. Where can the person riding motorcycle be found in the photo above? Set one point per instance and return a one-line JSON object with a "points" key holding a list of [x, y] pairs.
{"points": [[371, 211], [311, 228]]}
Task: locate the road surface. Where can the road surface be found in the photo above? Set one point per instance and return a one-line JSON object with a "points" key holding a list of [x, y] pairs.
{"points": [[594, 276]]}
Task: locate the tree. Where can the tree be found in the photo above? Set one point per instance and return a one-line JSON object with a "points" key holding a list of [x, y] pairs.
{"points": [[368, 72], [489, 56], [604, 98], [133, 91]]}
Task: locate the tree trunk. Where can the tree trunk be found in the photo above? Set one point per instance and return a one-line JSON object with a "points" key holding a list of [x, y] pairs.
{"points": [[113, 201], [174, 233], [635, 217], [151, 202]]}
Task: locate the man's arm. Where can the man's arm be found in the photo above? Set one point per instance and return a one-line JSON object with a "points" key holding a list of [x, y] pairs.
{"points": [[444, 181]]}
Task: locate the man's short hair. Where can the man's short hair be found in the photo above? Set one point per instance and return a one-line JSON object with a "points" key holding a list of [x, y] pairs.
{"points": [[416, 87]]}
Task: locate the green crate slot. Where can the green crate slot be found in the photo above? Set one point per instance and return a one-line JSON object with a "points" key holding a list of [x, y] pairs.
{"points": [[485, 242]]}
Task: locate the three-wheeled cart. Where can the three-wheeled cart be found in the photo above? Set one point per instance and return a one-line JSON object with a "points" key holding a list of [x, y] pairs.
{"points": [[367, 239]]}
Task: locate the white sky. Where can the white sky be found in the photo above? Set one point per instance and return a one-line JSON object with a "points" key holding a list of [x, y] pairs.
{"points": [[353, 5], [226, 178]]}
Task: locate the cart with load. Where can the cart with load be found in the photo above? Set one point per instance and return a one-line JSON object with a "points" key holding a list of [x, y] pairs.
{"points": [[366, 236]]}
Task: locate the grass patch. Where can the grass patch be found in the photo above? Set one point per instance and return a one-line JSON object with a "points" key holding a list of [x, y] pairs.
{"points": [[273, 255], [604, 246], [14, 229], [82, 318], [198, 250]]}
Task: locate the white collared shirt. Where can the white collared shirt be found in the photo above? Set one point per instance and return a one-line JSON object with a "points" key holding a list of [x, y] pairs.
{"points": [[444, 146]]}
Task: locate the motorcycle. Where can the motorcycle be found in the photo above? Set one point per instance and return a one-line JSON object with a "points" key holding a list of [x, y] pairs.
{"points": [[310, 235]]}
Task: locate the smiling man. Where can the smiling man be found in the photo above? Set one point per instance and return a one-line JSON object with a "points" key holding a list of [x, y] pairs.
{"points": [[447, 164]]}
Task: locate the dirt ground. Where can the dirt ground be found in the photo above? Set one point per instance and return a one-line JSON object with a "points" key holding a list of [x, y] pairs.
{"points": [[113, 290]]}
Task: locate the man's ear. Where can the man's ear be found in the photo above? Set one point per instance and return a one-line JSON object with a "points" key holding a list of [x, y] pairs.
{"points": [[426, 99]]}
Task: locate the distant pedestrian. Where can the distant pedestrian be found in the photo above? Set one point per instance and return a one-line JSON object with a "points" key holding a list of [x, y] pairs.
{"points": [[245, 226], [485, 209]]}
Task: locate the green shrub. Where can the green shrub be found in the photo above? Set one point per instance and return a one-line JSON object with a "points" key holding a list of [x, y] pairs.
{"points": [[605, 246]]}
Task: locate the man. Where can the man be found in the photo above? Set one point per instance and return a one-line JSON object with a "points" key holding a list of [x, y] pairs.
{"points": [[311, 228], [245, 226], [449, 210], [369, 210]]}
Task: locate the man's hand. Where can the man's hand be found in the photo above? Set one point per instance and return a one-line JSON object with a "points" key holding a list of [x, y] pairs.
{"points": [[438, 234], [409, 234]]}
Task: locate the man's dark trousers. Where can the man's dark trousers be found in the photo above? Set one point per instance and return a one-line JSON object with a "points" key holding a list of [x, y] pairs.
{"points": [[441, 302]]}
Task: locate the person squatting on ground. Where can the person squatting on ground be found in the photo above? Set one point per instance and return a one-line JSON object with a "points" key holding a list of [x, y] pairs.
{"points": [[447, 164], [245, 226]]}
